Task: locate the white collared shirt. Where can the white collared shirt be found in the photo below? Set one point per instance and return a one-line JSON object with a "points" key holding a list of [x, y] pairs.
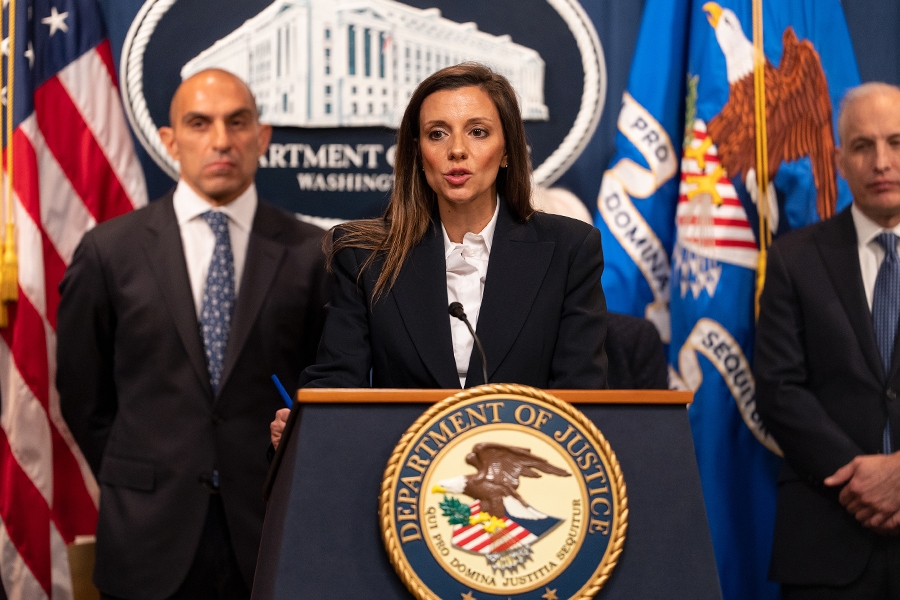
{"points": [[467, 265], [871, 254], [199, 241]]}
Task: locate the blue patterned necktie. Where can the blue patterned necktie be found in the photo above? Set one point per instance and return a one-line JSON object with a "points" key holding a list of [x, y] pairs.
{"points": [[886, 309], [218, 298]]}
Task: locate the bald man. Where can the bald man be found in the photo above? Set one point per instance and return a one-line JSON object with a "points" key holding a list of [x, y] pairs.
{"points": [[828, 373], [172, 320]]}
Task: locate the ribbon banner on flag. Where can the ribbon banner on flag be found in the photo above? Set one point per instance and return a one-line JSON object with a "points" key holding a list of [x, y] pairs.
{"points": [[72, 166]]}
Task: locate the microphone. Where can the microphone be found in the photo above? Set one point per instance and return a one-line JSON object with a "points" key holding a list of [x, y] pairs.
{"points": [[456, 310]]}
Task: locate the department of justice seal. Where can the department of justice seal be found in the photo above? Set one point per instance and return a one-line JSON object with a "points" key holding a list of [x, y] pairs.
{"points": [[503, 491]]}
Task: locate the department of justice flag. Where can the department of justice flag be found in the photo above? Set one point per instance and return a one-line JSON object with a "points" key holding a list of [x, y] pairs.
{"points": [[680, 212]]}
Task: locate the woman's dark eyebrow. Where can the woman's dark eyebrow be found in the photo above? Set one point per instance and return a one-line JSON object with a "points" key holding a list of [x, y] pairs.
{"points": [[468, 121]]}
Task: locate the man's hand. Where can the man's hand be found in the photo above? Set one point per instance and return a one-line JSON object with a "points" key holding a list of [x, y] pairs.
{"points": [[276, 427], [871, 490]]}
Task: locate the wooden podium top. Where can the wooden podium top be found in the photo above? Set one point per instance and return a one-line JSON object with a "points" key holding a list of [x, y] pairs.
{"points": [[410, 396]]}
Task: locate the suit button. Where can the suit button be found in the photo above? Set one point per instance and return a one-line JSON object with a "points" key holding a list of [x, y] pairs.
{"points": [[891, 395], [217, 420]]}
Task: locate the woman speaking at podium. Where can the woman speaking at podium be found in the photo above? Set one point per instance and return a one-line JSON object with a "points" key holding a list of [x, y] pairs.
{"points": [[460, 227]]}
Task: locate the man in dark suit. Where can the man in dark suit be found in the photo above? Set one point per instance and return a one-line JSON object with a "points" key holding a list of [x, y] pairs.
{"points": [[828, 373], [172, 320], [637, 359]]}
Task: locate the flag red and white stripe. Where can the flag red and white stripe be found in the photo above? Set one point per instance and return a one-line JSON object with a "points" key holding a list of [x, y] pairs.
{"points": [[74, 166], [714, 227], [475, 538]]}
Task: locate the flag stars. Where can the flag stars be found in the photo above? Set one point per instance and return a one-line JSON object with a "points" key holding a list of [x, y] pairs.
{"points": [[29, 53], [550, 595], [56, 21]]}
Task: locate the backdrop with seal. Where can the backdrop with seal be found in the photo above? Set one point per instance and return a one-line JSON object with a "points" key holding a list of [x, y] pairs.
{"points": [[874, 27], [334, 77]]}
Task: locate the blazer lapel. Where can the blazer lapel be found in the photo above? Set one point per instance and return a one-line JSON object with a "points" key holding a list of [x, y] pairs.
{"points": [[838, 248], [264, 254], [165, 254], [421, 296], [517, 266]]}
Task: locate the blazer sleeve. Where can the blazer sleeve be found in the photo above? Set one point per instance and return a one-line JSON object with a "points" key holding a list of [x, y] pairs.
{"points": [[579, 359], [85, 327], [344, 358], [813, 444]]}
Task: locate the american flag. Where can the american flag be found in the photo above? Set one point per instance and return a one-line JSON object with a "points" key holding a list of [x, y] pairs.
{"points": [[73, 166]]}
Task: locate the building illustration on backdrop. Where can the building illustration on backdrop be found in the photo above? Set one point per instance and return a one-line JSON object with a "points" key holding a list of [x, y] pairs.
{"points": [[355, 63]]}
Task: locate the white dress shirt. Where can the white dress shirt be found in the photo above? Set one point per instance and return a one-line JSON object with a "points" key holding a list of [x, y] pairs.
{"points": [[199, 241], [871, 254], [467, 265]]}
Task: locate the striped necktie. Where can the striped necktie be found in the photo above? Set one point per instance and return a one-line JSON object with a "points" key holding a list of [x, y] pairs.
{"points": [[886, 310], [218, 298]]}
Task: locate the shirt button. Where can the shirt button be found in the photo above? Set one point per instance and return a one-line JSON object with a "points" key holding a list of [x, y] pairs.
{"points": [[891, 394]]}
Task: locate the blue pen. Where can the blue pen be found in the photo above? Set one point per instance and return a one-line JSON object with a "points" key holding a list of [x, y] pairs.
{"points": [[282, 391]]}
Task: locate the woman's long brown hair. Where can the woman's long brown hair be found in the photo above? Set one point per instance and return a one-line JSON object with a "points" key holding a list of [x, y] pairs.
{"points": [[412, 202]]}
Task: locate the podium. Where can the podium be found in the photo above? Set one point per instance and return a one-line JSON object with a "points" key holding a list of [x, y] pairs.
{"points": [[321, 537]]}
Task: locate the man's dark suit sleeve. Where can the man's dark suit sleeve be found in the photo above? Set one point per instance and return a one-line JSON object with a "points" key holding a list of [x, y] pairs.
{"points": [[650, 367], [813, 444], [345, 357], [579, 359], [84, 352], [637, 360]]}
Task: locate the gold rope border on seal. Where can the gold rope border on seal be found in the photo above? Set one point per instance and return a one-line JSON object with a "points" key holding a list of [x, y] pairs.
{"points": [[616, 480]]}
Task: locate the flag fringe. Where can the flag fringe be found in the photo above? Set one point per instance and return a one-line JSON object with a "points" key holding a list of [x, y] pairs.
{"points": [[9, 265], [9, 269], [762, 150]]}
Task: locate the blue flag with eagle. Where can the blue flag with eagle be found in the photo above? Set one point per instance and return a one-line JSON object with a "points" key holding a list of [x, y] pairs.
{"points": [[685, 204]]}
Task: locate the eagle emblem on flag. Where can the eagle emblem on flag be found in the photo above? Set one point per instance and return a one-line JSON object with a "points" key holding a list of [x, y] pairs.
{"points": [[797, 111], [713, 226]]}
